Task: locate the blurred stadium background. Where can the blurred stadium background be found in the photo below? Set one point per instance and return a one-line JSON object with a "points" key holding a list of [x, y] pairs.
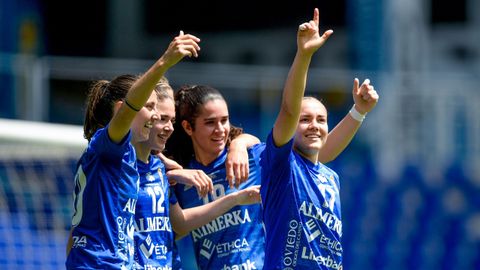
{"points": [[410, 178]]}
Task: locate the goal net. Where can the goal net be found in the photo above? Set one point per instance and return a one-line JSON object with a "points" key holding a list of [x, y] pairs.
{"points": [[37, 163]]}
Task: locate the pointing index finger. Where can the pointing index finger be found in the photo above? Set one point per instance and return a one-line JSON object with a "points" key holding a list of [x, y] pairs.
{"points": [[355, 86], [316, 16]]}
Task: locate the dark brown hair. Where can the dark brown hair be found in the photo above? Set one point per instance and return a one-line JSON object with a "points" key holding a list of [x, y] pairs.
{"points": [[188, 102], [100, 101]]}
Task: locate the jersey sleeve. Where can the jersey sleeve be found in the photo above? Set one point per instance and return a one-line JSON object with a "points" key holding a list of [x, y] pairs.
{"points": [[256, 152], [275, 170], [172, 197], [274, 157], [105, 147]]}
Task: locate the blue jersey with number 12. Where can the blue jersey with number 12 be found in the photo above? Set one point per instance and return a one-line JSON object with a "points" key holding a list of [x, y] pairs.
{"points": [[153, 231]]}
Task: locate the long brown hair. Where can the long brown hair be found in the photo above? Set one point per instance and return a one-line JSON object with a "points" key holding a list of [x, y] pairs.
{"points": [[101, 98], [188, 102]]}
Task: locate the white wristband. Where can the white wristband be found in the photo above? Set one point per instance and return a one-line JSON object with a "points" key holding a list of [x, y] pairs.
{"points": [[356, 115]]}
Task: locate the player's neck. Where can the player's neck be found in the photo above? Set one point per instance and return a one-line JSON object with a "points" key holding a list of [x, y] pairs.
{"points": [[143, 152], [205, 158]]}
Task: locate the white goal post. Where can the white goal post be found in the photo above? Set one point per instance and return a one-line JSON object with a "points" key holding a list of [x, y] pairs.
{"points": [[37, 164], [20, 138]]}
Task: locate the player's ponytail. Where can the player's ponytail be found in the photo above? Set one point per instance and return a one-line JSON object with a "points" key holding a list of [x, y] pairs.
{"points": [[101, 99]]}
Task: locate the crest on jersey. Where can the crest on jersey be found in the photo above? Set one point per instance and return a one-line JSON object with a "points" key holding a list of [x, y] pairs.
{"points": [[160, 174], [149, 177]]}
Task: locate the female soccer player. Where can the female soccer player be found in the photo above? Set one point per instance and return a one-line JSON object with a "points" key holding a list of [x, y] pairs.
{"points": [[106, 183], [158, 215], [300, 195], [202, 137], [201, 141]]}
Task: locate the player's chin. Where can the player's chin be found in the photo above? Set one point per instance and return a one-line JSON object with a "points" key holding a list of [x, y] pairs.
{"points": [[218, 143], [160, 146], [161, 140], [141, 136], [218, 146], [313, 145], [145, 134]]}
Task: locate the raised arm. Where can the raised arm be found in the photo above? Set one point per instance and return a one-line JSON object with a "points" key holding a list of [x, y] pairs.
{"points": [[185, 220], [237, 164], [308, 42], [181, 46], [365, 99]]}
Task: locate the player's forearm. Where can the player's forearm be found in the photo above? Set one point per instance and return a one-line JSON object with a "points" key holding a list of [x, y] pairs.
{"points": [[177, 176], [339, 138], [136, 98], [293, 92], [142, 88], [244, 140], [198, 216], [295, 85]]}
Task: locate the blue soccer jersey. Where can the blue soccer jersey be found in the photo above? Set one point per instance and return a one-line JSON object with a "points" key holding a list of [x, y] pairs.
{"points": [[301, 203], [106, 190], [154, 236], [177, 262], [234, 240]]}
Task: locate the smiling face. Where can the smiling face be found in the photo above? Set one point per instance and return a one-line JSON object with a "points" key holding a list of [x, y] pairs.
{"points": [[163, 127], [144, 119], [312, 129], [210, 132]]}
